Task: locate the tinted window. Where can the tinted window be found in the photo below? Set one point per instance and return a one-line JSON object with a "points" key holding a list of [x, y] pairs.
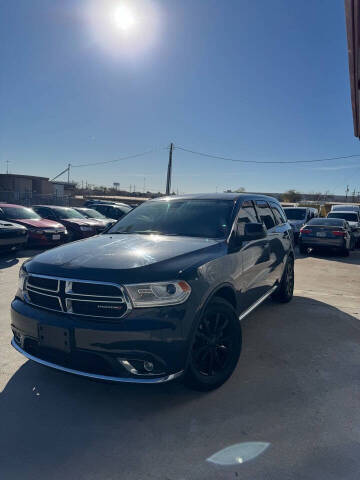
{"points": [[91, 213], [265, 214], [295, 213], [67, 213], [278, 214], [336, 222], [43, 212], [20, 213], [249, 210], [190, 217], [247, 214], [350, 217], [102, 209]]}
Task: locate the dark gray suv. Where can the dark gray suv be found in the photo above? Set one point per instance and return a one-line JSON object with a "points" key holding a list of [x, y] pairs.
{"points": [[160, 294]]}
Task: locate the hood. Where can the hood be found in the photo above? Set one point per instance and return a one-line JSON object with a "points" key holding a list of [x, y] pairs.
{"points": [[87, 222], [4, 225], [100, 221], [42, 223], [126, 258]]}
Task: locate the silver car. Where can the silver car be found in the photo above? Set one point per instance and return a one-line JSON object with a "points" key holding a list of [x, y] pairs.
{"points": [[346, 208], [298, 216]]}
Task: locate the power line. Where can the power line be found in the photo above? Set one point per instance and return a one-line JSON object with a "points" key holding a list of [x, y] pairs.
{"points": [[136, 155], [218, 157]]}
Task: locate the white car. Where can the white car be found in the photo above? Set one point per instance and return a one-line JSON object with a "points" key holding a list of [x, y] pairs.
{"points": [[353, 219]]}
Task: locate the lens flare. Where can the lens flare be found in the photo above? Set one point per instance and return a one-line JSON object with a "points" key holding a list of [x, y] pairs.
{"points": [[122, 28]]}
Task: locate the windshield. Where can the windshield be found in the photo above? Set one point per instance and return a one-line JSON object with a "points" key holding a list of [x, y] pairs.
{"points": [[19, 213], [90, 213], [295, 213], [193, 218], [350, 217], [337, 222], [68, 213]]}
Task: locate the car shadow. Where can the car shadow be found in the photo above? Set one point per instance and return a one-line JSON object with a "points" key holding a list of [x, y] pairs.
{"points": [[298, 367], [8, 260], [333, 256]]}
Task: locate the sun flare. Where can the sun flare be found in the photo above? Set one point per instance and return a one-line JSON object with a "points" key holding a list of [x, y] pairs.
{"points": [[124, 18]]}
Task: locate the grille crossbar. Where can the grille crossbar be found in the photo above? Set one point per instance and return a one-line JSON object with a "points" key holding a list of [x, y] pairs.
{"points": [[77, 297]]}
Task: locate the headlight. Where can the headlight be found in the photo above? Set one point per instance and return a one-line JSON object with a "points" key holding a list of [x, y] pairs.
{"points": [[86, 229], [158, 294], [21, 283]]}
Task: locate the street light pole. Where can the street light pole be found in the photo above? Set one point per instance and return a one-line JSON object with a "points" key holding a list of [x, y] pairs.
{"points": [[168, 179]]}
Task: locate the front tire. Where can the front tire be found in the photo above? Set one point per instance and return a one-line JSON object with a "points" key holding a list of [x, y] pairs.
{"points": [[216, 347], [285, 290]]}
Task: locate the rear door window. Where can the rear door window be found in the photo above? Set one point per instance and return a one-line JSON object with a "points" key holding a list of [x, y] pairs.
{"points": [[265, 214]]}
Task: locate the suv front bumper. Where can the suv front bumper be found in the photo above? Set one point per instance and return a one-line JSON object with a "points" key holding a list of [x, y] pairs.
{"points": [[114, 351]]}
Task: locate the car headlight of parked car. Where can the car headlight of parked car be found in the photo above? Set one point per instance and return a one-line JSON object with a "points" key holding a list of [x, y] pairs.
{"points": [[21, 283], [159, 293]]}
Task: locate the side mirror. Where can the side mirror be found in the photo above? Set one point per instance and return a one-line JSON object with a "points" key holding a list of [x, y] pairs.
{"points": [[254, 231], [246, 232]]}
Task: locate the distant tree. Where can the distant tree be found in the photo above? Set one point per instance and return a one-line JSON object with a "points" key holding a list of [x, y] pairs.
{"points": [[291, 196], [240, 190]]}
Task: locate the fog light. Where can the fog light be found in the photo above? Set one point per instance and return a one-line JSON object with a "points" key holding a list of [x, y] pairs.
{"points": [[148, 366]]}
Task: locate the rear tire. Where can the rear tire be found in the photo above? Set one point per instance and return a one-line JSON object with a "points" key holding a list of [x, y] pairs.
{"points": [[303, 250], [345, 252], [215, 347], [285, 290]]}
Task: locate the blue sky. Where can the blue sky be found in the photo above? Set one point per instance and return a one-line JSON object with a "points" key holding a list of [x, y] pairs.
{"points": [[249, 79]]}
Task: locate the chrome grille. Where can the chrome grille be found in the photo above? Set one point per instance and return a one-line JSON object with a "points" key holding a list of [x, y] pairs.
{"points": [[76, 297]]}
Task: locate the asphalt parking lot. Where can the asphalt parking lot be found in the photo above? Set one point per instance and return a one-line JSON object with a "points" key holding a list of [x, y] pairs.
{"points": [[297, 388]]}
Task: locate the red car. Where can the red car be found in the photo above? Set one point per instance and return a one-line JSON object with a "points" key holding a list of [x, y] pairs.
{"points": [[76, 224], [41, 232]]}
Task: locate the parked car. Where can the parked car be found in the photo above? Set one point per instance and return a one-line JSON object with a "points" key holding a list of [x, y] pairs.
{"points": [[77, 225], [91, 201], [320, 233], [112, 211], [298, 216], [12, 236], [160, 295], [103, 221], [346, 208], [41, 232], [353, 219]]}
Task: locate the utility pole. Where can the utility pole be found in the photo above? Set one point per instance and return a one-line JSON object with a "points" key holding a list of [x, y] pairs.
{"points": [[7, 167], [69, 172], [347, 191], [168, 179]]}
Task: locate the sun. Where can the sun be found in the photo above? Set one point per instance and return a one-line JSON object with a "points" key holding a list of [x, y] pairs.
{"points": [[124, 18]]}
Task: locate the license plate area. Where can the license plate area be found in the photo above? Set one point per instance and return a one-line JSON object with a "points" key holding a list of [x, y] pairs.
{"points": [[54, 337], [56, 237], [321, 234]]}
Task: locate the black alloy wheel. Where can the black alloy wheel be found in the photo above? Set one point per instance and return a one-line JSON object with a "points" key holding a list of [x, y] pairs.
{"points": [[285, 290], [216, 347]]}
